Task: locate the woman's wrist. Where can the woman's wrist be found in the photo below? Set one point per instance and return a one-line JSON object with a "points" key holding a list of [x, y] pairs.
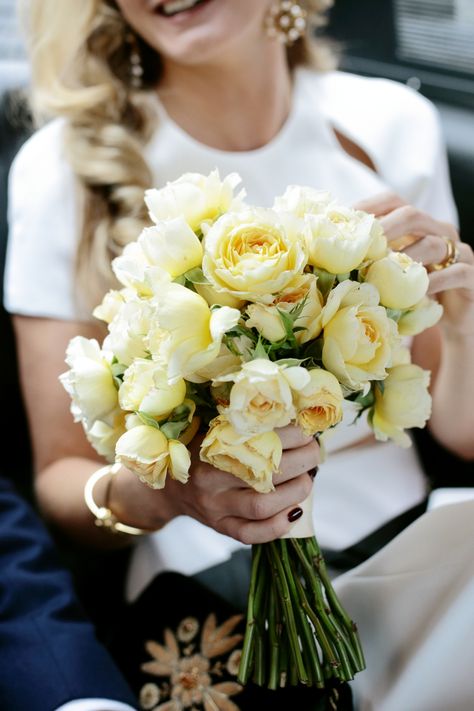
{"points": [[135, 504]]}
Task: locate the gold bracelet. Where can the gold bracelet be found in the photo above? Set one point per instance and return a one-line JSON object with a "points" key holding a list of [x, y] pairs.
{"points": [[104, 518]]}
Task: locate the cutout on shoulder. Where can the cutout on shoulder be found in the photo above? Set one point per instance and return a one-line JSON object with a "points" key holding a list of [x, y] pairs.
{"points": [[353, 149]]}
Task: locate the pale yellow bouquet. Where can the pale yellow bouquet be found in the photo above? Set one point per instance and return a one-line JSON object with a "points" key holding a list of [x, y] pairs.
{"points": [[236, 320]]}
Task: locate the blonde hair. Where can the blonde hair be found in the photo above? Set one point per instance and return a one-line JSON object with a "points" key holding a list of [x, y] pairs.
{"points": [[80, 59]]}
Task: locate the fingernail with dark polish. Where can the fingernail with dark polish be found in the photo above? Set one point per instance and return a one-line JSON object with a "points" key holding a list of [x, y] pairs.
{"points": [[295, 514], [312, 472]]}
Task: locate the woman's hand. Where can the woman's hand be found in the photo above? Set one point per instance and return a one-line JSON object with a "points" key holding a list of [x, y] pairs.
{"points": [[221, 500], [424, 239]]}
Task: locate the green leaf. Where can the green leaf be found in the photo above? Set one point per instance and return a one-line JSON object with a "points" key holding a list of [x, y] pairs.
{"points": [[181, 279], [395, 314], [118, 369], [288, 362], [287, 321], [195, 276], [325, 280], [147, 419], [380, 385], [365, 401], [172, 430], [260, 351]]}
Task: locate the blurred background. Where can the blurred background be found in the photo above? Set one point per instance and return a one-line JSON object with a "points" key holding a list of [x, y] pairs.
{"points": [[427, 44]]}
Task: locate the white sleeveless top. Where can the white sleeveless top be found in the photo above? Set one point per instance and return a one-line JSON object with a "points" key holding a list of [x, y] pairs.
{"points": [[357, 489]]}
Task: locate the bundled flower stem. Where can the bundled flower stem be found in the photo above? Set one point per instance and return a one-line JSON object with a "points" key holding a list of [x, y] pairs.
{"points": [[297, 631]]}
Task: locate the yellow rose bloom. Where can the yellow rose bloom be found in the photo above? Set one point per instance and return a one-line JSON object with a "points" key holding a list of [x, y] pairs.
{"points": [[146, 452], [319, 403], [401, 282], [267, 320], [252, 459], [195, 197], [145, 387], [171, 245], [194, 332], [301, 201], [261, 397], [103, 435], [358, 336], [127, 331], [89, 381], [253, 254], [425, 314], [405, 402], [339, 239]]}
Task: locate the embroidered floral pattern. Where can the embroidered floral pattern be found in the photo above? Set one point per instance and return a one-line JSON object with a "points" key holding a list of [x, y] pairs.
{"points": [[190, 673]]}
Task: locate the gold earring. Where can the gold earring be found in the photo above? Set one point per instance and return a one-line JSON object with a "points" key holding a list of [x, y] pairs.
{"points": [[136, 67], [286, 22]]}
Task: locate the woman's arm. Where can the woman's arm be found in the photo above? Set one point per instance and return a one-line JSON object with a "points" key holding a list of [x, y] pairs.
{"points": [[64, 461]]}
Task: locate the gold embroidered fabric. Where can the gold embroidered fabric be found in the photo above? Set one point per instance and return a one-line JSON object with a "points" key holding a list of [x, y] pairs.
{"points": [[192, 671]]}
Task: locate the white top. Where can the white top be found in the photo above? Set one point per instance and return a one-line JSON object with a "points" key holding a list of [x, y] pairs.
{"points": [[356, 489]]}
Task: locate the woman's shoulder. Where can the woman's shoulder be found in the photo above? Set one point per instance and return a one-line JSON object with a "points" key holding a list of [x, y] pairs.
{"points": [[372, 98], [42, 227], [42, 154]]}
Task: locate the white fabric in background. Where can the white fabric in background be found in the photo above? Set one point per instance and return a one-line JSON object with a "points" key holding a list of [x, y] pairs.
{"points": [[414, 606]]}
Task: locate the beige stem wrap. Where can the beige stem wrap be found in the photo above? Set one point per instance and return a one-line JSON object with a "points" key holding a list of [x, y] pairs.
{"points": [[303, 527]]}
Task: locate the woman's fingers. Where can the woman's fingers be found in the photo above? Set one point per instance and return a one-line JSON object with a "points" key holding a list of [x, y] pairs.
{"points": [[251, 532], [381, 204], [250, 505], [297, 461], [292, 437], [457, 276], [408, 220], [431, 249]]}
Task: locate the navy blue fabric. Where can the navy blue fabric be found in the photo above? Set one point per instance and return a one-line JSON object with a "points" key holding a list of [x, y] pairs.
{"points": [[48, 650]]}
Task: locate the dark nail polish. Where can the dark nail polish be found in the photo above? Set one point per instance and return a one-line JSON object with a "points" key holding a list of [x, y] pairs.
{"points": [[295, 514], [312, 472]]}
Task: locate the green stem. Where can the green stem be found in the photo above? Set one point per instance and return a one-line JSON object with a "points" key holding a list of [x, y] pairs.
{"points": [[274, 634], [247, 651], [289, 616], [306, 630], [327, 635], [335, 603]]}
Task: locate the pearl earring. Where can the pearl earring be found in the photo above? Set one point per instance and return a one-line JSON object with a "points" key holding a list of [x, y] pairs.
{"points": [[136, 67], [286, 22]]}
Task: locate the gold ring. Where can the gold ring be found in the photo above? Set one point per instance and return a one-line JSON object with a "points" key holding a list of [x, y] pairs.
{"points": [[402, 242], [451, 257]]}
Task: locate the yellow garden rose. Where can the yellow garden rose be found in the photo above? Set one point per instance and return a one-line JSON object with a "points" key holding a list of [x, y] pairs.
{"points": [[267, 320], [195, 197], [89, 381], [127, 331], [253, 254], [130, 269], [405, 402], [112, 303], [103, 435], [301, 200], [149, 454], [221, 298], [339, 239], [378, 246], [261, 397], [253, 459], [319, 403], [145, 387], [425, 314], [358, 335], [401, 282], [193, 332], [171, 245]]}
